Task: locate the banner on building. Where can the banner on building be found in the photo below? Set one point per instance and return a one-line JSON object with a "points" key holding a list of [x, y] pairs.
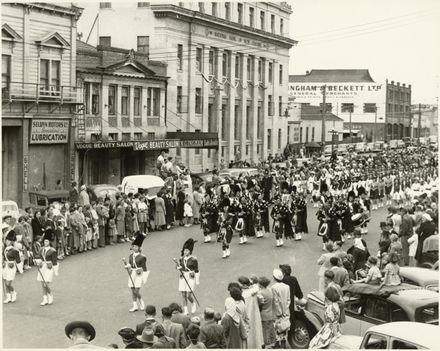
{"points": [[49, 131], [142, 145]]}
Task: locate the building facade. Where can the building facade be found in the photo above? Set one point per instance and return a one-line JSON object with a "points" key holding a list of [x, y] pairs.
{"points": [[425, 118], [39, 97], [228, 68], [352, 95], [124, 99], [398, 110]]}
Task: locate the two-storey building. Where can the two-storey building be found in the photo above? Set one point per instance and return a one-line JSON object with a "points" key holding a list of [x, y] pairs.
{"points": [[228, 68], [124, 102], [39, 97]]}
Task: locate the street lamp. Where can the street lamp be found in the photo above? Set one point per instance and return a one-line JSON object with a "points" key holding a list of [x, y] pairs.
{"points": [[333, 132]]}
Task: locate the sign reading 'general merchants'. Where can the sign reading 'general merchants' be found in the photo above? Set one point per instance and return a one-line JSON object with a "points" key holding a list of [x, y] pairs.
{"points": [[49, 131]]}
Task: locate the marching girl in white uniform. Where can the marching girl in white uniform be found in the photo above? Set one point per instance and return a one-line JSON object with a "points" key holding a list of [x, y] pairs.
{"points": [[48, 266], [137, 268], [11, 263]]}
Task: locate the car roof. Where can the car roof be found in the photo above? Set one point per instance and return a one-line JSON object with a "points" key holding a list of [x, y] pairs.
{"points": [[421, 276], [413, 332], [414, 298], [8, 202]]}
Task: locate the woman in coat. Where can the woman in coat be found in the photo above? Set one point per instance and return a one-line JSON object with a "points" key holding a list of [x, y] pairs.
{"points": [[180, 205], [233, 320], [426, 229], [37, 225], [120, 221], [265, 302], [281, 308], [198, 200], [324, 262], [160, 211]]}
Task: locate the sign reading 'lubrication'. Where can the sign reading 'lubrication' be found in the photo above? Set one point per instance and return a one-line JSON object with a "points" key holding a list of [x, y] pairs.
{"points": [[49, 131]]}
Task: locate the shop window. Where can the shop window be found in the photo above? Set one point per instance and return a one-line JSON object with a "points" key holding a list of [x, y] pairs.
{"points": [[137, 98], [137, 136], [199, 59], [347, 107], [270, 72], [125, 100], [179, 56], [151, 135], [179, 99], [143, 44], [95, 98], [199, 100], [227, 11], [6, 74], [105, 41], [112, 99], [251, 17], [279, 138], [105, 5], [262, 20], [280, 79], [269, 139], [240, 13], [369, 108], [113, 136], [126, 136], [272, 23]]}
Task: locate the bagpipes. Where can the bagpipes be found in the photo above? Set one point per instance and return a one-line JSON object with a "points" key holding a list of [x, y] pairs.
{"points": [[259, 228]]}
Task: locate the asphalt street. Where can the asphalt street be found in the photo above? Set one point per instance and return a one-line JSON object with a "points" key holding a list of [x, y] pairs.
{"points": [[93, 286]]}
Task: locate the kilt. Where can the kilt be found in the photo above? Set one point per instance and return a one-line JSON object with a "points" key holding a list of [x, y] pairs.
{"points": [[182, 284], [374, 194], [138, 279], [388, 190], [47, 273], [9, 273]]}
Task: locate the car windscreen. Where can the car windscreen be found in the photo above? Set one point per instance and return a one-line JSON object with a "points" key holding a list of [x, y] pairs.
{"points": [[427, 314], [102, 192], [9, 208]]}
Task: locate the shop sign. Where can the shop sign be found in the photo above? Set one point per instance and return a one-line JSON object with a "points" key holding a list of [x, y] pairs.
{"points": [[72, 166], [143, 145], [155, 144], [49, 131], [25, 172], [236, 38], [313, 90], [105, 145]]}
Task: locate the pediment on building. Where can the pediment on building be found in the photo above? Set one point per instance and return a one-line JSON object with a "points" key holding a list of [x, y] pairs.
{"points": [[130, 68], [9, 34], [53, 39]]}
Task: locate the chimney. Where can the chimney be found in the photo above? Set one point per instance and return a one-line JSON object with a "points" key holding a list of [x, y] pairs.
{"points": [[398, 84], [409, 86], [307, 72], [392, 82], [404, 85]]}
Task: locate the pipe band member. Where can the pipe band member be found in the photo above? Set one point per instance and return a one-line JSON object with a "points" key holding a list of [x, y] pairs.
{"points": [[137, 268], [11, 263], [189, 268]]}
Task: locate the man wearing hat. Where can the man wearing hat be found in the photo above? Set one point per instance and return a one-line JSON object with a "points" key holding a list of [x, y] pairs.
{"points": [[11, 263], [281, 293], [128, 336], [48, 266], [147, 338], [137, 269], [189, 269], [81, 333]]}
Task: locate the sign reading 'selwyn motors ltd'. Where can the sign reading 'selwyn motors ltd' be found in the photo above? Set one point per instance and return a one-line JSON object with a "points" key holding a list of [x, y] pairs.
{"points": [[49, 131]]}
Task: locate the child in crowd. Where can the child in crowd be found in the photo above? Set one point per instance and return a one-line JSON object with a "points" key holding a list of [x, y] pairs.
{"points": [[373, 276], [413, 241], [187, 212]]}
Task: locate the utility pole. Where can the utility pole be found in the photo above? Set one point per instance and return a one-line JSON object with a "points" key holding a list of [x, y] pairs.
{"points": [[419, 126], [351, 134], [375, 124], [323, 111]]}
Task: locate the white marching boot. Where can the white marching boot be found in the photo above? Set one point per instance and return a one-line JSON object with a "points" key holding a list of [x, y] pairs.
{"points": [[278, 242], [134, 308], [44, 302], [49, 299], [228, 252], [194, 307], [141, 304], [244, 239], [185, 310], [209, 238], [224, 254], [241, 241], [8, 298], [281, 242], [13, 296]]}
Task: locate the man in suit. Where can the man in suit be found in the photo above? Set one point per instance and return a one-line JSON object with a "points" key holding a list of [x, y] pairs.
{"points": [[211, 333], [341, 274], [103, 215], [173, 330], [150, 320], [406, 231]]}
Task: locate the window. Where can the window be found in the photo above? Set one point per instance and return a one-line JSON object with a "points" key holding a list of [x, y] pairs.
{"points": [[212, 127], [390, 107], [111, 99], [223, 151], [87, 97], [279, 138], [249, 68], [113, 136], [374, 341], [269, 139], [137, 136], [149, 99], [237, 66], [270, 72], [125, 100], [272, 23], [228, 11], [143, 44], [280, 106], [197, 151], [398, 314], [240, 13], [156, 102], [328, 107], [259, 122], [307, 134], [288, 134], [126, 136], [369, 108], [105, 5], [180, 56], [198, 100], [105, 41], [211, 62], [428, 314], [403, 345], [225, 64], [151, 135], [251, 16], [44, 74], [280, 78], [353, 304], [202, 7], [179, 99], [347, 107], [236, 122], [258, 148], [270, 105], [199, 59], [247, 150], [281, 26], [95, 98], [214, 9], [260, 70], [300, 134], [248, 122], [143, 4], [313, 134], [377, 309], [262, 20], [137, 98], [181, 4], [224, 122], [6, 73], [95, 136], [55, 75]]}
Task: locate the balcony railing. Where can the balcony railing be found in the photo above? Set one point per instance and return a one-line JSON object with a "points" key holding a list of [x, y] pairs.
{"points": [[125, 122], [153, 121], [19, 91]]}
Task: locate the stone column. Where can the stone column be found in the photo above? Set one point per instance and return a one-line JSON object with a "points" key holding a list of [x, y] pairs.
{"points": [[231, 108], [218, 73], [243, 104], [254, 112]]}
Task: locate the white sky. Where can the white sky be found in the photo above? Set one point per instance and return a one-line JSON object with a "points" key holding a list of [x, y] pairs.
{"points": [[394, 39]]}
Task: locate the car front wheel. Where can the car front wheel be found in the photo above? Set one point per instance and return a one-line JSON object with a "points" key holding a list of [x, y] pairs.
{"points": [[300, 335]]}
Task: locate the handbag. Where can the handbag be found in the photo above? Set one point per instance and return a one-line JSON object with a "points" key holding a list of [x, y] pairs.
{"points": [[282, 325], [323, 230]]}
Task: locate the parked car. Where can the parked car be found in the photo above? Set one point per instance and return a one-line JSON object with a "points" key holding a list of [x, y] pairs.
{"points": [[327, 150], [366, 306], [423, 277], [391, 336], [369, 147], [342, 148], [102, 190], [10, 208], [400, 144], [360, 147], [393, 144], [235, 172], [42, 199], [138, 183], [201, 179]]}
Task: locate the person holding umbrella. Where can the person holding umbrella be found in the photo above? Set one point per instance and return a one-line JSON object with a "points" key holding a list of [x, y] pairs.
{"points": [[137, 271], [11, 263], [47, 266], [189, 268]]}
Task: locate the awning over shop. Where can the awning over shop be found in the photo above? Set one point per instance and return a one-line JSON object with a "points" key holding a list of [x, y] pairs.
{"points": [[203, 140], [353, 131], [313, 145]]}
